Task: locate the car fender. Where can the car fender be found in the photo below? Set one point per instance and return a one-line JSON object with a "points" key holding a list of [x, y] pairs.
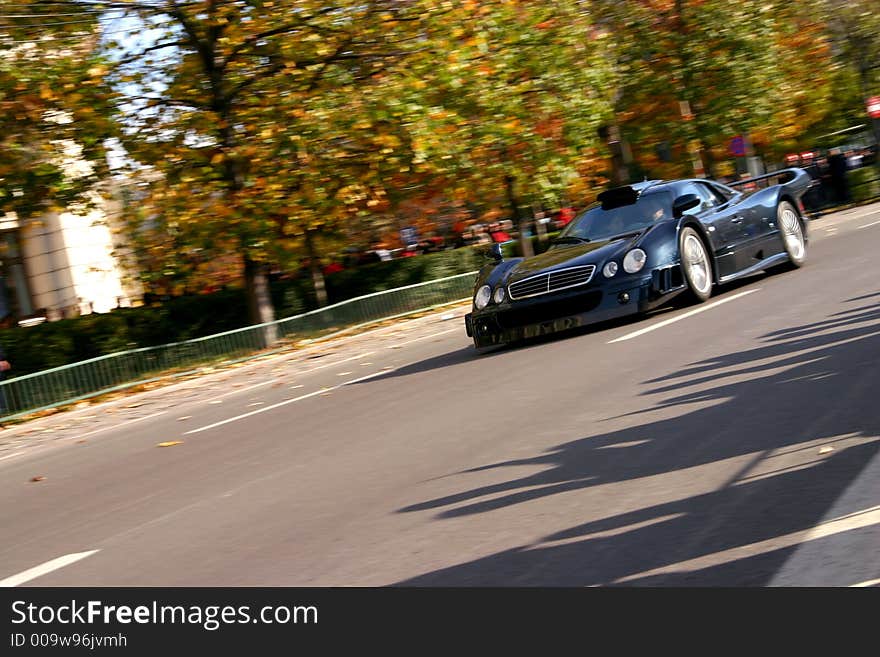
{"points": [[690, 221], [493, 273], [793, 185], [661, 244]]}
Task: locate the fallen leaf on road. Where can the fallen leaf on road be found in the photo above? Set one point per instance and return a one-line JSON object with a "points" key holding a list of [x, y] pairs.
{"points": [[170, 443], [37, 478], [81, 441]]}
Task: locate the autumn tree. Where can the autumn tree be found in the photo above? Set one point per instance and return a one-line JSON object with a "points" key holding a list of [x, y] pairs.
{"points": [[514, 94], [853, 28], [254, 125], [55, 107], [698, 72]]}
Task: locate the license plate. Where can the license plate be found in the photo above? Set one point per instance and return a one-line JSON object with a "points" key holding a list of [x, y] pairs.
{"points": [[553, 326]]}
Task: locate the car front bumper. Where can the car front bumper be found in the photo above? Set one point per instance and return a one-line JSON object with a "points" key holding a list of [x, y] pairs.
{"points": [[515, 321]]}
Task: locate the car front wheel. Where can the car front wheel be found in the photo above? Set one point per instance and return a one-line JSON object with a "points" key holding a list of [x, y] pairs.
{"points": [[696, 264], [792, 233]]}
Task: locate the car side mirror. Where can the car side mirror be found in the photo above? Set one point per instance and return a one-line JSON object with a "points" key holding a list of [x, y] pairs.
{"points": [[495, 252], [684, 203]]}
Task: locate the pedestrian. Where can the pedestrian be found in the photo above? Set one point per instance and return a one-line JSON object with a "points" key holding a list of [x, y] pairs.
{"points": [[839, 182], [4, 368], [498, 234], [813, 197]]}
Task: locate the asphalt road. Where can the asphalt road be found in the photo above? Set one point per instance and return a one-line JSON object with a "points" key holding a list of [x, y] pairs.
{"points": [[731, 443]]}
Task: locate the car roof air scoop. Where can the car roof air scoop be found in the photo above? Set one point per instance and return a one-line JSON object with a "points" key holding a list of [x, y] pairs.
{"points": [[617, 197]]}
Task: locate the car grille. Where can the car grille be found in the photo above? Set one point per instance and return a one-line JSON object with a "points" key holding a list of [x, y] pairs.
{"points": [[560, 279]]}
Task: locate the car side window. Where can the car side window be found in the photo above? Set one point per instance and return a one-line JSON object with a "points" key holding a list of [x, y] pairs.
{"points": [[710, 198], [707, 200], [723, 193]]}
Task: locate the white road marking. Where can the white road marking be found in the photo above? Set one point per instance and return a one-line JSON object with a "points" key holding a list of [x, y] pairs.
{"points": [[850, 521], [36, 449], [116, 426], [873, 223], [870, 582], [43, 569], [424, 337], [631, 443], [336, 362], [323, 391], [691, 313], [265, 383], [238, 390]]}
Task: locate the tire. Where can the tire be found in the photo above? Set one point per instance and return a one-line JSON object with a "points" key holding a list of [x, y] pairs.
{"points": [[792, 234], [695, 264]]}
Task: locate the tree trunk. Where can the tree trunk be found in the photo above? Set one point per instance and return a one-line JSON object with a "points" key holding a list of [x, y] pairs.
{"points": [[317, 274], [260, 309]]}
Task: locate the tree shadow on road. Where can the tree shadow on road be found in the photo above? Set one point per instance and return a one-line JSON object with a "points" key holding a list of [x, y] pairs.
{"points": [[805, 388], [472, 355]]}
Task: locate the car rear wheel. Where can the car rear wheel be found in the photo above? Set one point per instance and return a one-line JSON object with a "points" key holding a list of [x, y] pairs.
{"points": [[792, 233], [696, 264]]}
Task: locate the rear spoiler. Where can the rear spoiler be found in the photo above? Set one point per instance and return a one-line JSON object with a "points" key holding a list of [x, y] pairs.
{"points": [[795, 180]]}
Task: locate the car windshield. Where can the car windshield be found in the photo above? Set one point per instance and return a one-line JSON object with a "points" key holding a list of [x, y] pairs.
{"points": [[598, 224]]}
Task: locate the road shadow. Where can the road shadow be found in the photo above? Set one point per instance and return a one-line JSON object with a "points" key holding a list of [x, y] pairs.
{"points": [[804, 389], [470, 354]]}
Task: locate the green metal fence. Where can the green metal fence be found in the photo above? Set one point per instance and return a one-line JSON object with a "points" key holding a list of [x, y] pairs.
{"points": [[70, 383]]}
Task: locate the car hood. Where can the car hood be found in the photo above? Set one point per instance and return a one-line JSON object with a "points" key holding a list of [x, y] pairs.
{"points": [[560, 257]]}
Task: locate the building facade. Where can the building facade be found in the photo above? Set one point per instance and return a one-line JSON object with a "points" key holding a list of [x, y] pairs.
{"points": [[62, 265]]}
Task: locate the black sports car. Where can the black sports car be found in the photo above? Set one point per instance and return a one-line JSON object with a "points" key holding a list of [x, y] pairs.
{"points": [[636, 248]]}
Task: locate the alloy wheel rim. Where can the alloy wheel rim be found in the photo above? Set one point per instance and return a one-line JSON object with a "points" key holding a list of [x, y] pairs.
{"points": [[792, 234], [697, 263]]}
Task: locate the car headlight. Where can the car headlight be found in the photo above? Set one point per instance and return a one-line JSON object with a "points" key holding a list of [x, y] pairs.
{"points": [[481, 298], [634, 261], [498, 297], [609, 269]]}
